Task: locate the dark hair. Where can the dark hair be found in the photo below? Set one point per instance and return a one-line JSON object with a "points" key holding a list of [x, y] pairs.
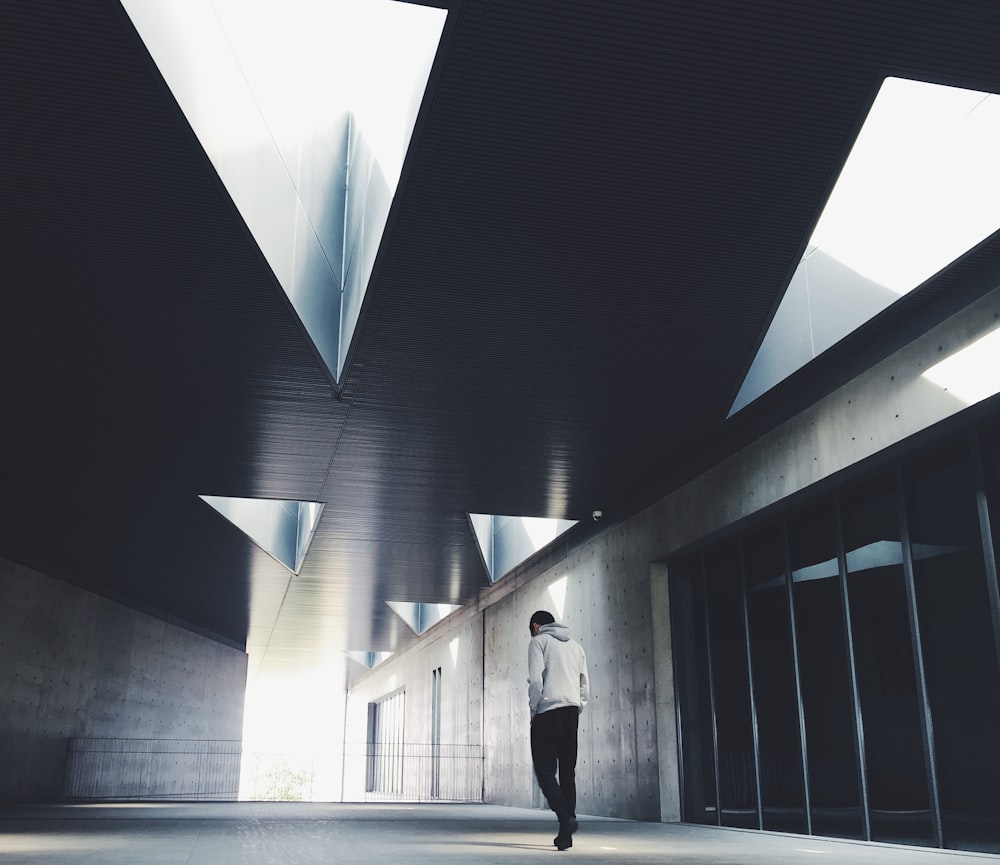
{"points": [[542, 617]]}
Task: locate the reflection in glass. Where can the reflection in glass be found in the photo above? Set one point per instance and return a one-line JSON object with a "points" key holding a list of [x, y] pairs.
{"points": [[737, 764], [694, 687], [897, 782], [834, 787], [782, 796], [889, 743], [960, 657]]}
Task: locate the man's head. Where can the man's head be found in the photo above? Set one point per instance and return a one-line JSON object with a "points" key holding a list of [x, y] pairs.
{"points": [[539, 618]]}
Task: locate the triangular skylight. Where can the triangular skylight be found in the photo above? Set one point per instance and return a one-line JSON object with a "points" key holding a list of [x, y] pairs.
{"points": [[283, 529], [505, 542], [305, 108], [420, 616], [369, 659], [920, 188]]}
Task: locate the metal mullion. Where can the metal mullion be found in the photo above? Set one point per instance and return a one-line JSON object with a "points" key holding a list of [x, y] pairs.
{"points": [[711, 692], [859, 724], [926, 716], [750, 688], [986, 533], [402, 741], [680, 592], [793, 632]]}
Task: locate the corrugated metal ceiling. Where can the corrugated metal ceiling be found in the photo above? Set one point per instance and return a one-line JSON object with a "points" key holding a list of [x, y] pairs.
{"points": [[595, 222]]}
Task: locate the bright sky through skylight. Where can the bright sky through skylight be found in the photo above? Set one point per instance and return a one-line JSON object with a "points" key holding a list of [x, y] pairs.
{"points": [[340, 52], [920, 187], [305, 108], [306, 60], [506, 541], [541, 530]]}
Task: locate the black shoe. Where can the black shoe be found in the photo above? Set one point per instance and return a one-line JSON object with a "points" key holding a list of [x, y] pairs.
{"points": [[564, 840]]}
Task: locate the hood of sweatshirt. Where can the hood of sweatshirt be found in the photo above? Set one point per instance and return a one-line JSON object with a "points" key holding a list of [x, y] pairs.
{"points": [[560, 632]]}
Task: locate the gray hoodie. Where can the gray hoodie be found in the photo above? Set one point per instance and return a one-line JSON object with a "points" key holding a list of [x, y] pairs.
{"points": [[557, 671]]}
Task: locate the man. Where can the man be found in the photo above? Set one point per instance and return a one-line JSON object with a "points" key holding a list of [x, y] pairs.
{"points": [[558, 689]]}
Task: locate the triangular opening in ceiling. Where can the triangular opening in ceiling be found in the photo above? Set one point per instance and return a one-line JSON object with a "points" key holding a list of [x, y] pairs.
{"points": [[920, 188], [418, 616], [369, 659], [283, 529], [306, 110], [505, 542]]}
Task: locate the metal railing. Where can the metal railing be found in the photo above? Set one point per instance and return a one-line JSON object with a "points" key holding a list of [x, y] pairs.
{"points": [[413, 772], [150, 769], [176, 769]]}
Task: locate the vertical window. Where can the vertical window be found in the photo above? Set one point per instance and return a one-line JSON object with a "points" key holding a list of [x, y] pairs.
{"points": [[842, 678], [834, 786], [694, 684], [385, 745], [897, 782], [436, 733], [960, 658], [734, 726], [776, 700]]}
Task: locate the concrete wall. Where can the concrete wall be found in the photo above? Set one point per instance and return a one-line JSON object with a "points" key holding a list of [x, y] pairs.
{"points": [[73, 664], [602, 594], [614, 590], [456, 646], [609, 613], [887, 404]]}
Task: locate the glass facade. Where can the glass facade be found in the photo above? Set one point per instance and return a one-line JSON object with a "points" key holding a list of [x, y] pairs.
{"points": [[384, 761], [838, 665]]}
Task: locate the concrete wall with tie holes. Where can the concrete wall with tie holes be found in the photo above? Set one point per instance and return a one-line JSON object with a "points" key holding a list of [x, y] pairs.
{"points": [[611, 591], [75, 666], [482, 651], [454, 647], [602, 594]]}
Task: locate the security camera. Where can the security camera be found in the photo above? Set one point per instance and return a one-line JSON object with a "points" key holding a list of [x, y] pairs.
{"points": [[597, 515]]}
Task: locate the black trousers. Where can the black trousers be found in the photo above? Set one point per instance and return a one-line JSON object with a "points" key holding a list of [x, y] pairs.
{"points": [[553, 748]]}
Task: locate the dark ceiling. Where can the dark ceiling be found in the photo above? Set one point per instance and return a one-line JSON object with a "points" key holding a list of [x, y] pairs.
{"points": [[598, 214]]}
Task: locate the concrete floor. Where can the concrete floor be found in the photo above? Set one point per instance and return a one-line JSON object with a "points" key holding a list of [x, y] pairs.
{"points": [[254, 833]]}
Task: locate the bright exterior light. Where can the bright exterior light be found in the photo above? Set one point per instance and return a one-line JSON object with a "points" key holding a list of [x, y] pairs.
{"points": [[283, 529], [920, 188], [369, 659], [557, 592], [420, 616], [973, 373], [507, 541], [305, 108]]}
